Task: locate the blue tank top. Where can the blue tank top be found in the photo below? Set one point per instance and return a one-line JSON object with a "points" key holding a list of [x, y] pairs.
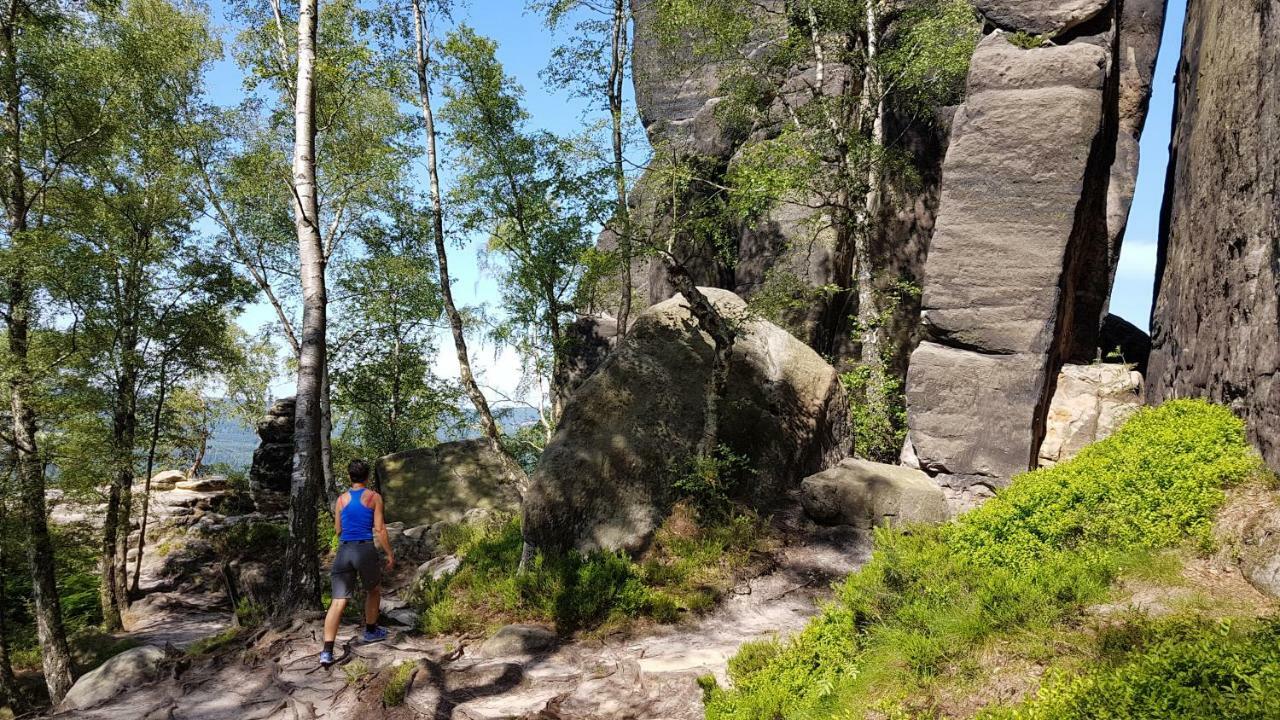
{"points": [[357, 520]]}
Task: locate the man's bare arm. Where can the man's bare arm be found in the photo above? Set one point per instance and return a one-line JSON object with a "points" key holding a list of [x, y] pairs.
{"points": [[380, 532]]}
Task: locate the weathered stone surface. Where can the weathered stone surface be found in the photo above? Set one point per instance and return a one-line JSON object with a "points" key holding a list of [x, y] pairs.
{"points": [[122, 672], [272, 466], [443, 482], [867, 494], [1215, 321], [167, 479], [605, 479], [517, 640], [1005, 259], [439, 567], [208, 483], [1040, 17], [1090, 403]]}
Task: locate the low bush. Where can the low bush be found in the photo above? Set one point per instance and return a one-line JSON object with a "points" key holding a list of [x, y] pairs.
{"points": [[685, 570], [1184, 668], [1029, 559]]}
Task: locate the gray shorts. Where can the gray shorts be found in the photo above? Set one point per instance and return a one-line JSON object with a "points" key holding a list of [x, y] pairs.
{"points": [[355, 558]]}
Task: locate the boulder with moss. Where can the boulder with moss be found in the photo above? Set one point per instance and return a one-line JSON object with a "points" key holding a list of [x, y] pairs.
{"points": [[444, 482], [867, 494], [609, 475]]}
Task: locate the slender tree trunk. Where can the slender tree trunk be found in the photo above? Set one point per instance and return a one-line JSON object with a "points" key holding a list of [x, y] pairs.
{"points": [[8, 683], [622, 213], [302, 561], [422, 42], [722, 333], [151, 461], [871, 106], [331, 485], [115, 541], [55, 656], [29, 472]]}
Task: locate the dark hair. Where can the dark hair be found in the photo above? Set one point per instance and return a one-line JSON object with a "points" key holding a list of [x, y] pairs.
{"points": [[358, 470]]}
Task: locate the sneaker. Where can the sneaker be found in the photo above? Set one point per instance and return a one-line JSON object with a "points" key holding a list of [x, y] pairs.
{"points": [[375, 635], [326, 658]]}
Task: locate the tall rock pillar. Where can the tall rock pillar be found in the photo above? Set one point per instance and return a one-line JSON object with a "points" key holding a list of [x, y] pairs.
{"points": [[1036, 186], [1215, 325]]}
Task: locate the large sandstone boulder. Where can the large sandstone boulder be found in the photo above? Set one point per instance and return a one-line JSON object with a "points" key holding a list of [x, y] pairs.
{"points": [[127, 670], [1089, 403], [867, 494], [606, 478], [1217, 309], [272, 467], [428, 485]]}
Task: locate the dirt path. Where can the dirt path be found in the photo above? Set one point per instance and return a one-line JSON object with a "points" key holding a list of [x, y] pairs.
{"points": [[652, 675]]}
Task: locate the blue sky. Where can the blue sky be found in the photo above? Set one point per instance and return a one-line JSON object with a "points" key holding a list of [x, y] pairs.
{"points": [[524, 45], [1131, 298]]}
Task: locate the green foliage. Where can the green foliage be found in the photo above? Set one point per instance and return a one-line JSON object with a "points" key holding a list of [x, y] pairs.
{"points": [[1026, 40], [927, 53], [1023, 564], [1176, 668], [685, 570], [877, 411], [393, 693], [215, 643], [710, 482], [355, 671]]}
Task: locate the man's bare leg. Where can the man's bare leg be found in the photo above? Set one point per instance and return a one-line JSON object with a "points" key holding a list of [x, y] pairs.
{"points": [[372, 605], [333, 619]]}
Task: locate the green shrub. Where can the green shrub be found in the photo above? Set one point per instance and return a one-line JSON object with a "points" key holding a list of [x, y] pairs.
{"points": [[397, 687], [1028, 560], [1180, 668], [1028, 41], [685, 570]]}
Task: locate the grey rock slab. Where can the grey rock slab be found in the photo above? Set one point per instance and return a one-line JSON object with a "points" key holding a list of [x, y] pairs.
{"points": [[1040, 17], [122, 672], [444, 482], [518, 639], [867, 494]]}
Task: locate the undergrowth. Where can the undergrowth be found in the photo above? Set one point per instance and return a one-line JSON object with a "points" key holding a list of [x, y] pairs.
{"points": [[685, 570], [1020, 569]]}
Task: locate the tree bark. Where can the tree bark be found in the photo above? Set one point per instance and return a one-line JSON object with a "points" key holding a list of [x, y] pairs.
{"points": [[151, 459], [8, 683], [871, 106], [622, 213], [490, 428], [302, 561], [55, 655]]}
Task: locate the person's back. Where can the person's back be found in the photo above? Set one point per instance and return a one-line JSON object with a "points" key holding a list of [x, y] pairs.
{"points": [[360, 526]]}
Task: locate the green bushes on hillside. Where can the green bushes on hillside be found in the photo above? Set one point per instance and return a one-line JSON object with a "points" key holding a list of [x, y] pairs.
{"points": [[932, 599]]}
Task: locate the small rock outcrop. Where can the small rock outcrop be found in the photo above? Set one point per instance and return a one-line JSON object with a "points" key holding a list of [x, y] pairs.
{"points": [[517, 640], [272, 467], [122, 672], [1090, 403], [866, 494], [1037, 183], [428, 485], [606, 478], [1215, 326]]}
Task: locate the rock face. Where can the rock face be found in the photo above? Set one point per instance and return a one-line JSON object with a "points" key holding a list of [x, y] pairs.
{"points": [[443, 482], [1037, 182], [273, 459], [866, 494], [1090, 403], [1214, 324], [1040, 17], [517, 640], [122, 672], [606, 478]]}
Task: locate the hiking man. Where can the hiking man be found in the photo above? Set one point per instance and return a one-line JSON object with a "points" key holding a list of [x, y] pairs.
{"points": [[358, 521]]}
